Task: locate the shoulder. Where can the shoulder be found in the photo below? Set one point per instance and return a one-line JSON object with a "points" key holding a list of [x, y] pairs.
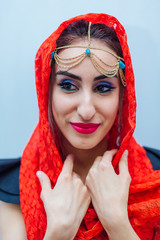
{"points": [[11, 222], [9, 180], [154, 156]]}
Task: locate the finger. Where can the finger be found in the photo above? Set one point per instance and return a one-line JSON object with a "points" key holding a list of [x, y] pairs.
{"points": [[123, 164], [96, 162], [108, 156], [44, 182], [75, 176], [123, 167], [77, 180], [107, 159], [68, 165]]}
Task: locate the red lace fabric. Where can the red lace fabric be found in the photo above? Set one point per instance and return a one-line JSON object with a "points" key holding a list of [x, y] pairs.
{"points": [[42, 154]]}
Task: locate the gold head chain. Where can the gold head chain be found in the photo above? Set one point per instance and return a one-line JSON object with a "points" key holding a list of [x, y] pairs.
{"points": [[65, 64]]}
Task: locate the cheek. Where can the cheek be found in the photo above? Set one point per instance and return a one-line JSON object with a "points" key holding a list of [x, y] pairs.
{"points": [[61, 105], [114, 106], [110, 108]]}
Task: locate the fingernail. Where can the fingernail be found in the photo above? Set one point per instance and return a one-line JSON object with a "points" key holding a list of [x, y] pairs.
{"points": [[71, 155], [39, 174], [125, 154]]}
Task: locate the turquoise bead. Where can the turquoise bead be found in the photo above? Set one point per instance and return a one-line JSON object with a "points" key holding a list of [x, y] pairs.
{"points": [[52, 55], [121, 65], [88, 52]]}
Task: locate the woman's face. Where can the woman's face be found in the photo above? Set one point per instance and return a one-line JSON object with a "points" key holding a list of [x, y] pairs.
{"points": [[85, 102]]}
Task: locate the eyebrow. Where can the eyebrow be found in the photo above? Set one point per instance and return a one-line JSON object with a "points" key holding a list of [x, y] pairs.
{"points": [[68, 74], [71, 75]]}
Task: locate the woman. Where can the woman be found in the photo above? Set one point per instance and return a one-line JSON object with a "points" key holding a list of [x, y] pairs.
{"points": [[83, 141]]}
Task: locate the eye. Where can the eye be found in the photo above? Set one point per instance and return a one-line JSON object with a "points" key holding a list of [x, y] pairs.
{"points": [[104, 87], [67, 85]]}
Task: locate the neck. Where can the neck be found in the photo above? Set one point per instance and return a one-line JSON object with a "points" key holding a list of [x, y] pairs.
{"points": [[83, 158]]}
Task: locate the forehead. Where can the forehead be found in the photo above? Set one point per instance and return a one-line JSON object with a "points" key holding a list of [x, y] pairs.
{"points": [[97, 43]]}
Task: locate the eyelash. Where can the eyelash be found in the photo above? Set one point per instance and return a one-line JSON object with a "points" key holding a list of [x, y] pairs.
{"points": [[67, 84], [102, 87]]}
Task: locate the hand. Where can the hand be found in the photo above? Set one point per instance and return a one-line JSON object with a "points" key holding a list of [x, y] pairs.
{"points": [[66, 204], [109, 191]]}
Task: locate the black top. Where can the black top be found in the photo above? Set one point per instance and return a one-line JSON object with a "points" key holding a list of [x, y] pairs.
{"points": [[9, 180], [9, 175]]}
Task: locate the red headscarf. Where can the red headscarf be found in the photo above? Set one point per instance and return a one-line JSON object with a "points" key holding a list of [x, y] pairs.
{"points": [[42, 154]]}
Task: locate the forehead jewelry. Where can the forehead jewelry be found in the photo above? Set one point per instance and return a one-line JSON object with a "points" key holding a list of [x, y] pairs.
{"points": [[109, 70]]}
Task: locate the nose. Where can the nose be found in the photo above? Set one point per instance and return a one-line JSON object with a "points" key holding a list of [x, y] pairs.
{"points": [[86, 109]]}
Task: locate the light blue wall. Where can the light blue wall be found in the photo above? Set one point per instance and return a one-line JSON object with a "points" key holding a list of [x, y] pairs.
{"points": [[23, 27]]}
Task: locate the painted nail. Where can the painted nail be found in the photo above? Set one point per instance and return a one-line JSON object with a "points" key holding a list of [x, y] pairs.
{"points": [[125, 154], [39, 174]]}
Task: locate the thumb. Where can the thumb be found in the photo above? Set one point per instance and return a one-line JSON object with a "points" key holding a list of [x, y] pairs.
{"points": [[68, 164], [44, 182]]}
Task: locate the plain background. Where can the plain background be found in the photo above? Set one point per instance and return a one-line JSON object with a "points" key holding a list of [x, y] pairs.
{"points": [[24, 25]]}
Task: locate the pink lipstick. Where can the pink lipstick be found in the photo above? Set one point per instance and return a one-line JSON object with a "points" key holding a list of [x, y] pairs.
{"points": [[85, 128]]}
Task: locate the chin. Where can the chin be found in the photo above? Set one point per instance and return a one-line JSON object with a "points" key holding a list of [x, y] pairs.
{"points": [[84, 145], [81, 143]]}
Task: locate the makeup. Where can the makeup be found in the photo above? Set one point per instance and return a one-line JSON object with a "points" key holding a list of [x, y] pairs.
{"points": [[85, 128]]}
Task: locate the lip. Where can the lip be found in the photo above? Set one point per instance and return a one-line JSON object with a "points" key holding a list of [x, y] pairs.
{"points": [[85, 128]]}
